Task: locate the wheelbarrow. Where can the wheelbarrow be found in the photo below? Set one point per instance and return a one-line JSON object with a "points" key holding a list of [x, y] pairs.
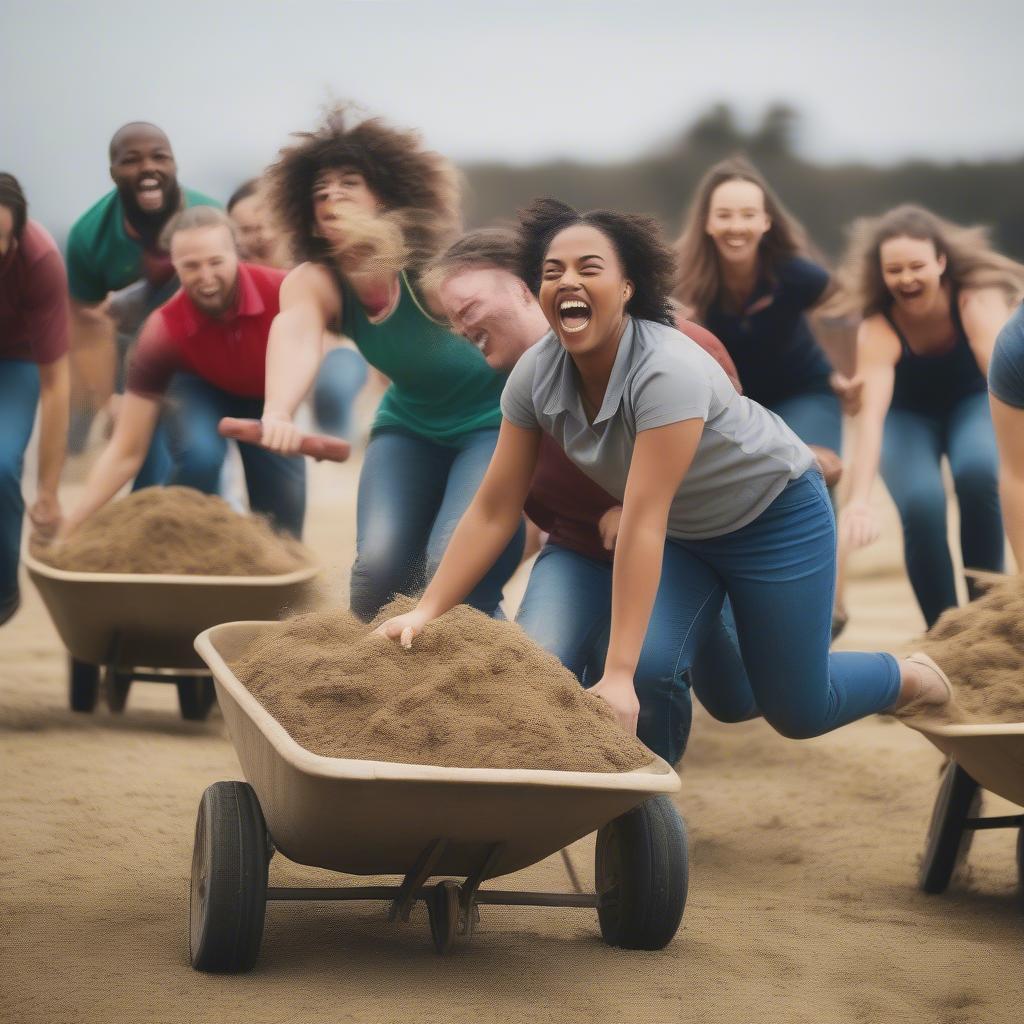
{"points": [[442, 831], [980, 757], [120, 628]]}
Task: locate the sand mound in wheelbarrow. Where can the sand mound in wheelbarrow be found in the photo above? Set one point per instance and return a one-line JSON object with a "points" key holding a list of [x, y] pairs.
{"points": [[471, 693], [176, 530], [981, 648]]}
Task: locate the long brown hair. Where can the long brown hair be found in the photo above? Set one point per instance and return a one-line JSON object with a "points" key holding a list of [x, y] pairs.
{"points": [[971, 262], [700, 276], [418, 189]]}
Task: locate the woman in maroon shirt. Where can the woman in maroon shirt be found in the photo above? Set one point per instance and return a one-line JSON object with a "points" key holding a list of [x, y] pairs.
{"points": [[33, 371], [567, 605]]}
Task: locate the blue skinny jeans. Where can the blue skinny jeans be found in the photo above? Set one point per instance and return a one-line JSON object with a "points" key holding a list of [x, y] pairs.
{"points": [[779, 575], [412, 493], [342, 375], [19, 396], [276, 483], [912, 450]]}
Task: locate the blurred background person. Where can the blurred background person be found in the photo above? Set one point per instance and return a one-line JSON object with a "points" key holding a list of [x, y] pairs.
{"points": [[1006, 397], [206, 350], [33, 373], [933, 296], [114, 244]]}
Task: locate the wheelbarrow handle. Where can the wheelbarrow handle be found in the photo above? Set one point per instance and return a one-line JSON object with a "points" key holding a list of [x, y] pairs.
{"points": [[316, 446]]}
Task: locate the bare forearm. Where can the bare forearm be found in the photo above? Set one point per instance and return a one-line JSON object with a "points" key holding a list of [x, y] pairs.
{"points": [[1011, 496], [476, 545], [53, 425], [292, 363], [867, 453], [640, 549], [113, 469]]}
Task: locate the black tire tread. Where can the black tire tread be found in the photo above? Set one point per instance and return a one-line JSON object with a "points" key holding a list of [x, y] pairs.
{"points": [[83, 685], [946, 845]]}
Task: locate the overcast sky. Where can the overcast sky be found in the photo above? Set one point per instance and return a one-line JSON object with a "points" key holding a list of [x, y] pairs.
{"points": [[877, 81]]}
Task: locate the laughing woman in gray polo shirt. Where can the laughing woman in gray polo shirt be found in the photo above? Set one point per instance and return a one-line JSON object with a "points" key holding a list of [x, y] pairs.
{"points": [[653, 419]]}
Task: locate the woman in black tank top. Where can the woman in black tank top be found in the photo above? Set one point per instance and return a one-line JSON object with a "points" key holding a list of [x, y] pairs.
{"points": [[933, 297]]}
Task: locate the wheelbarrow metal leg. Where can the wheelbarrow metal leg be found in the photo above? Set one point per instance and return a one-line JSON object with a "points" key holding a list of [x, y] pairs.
{"points": [[413, 881]]}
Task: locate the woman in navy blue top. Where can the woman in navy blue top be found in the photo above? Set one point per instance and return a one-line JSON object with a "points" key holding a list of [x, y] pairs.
{"points": [[744, 274], [1006, 395], [933, 296]]}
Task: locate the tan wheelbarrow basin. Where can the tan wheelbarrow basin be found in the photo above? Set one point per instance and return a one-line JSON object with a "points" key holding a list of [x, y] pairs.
{"points": [[365, 817], [125, 622], [981, 757]]}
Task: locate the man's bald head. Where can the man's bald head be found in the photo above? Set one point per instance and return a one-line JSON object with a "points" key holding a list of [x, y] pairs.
{"points": [[136, 130]]}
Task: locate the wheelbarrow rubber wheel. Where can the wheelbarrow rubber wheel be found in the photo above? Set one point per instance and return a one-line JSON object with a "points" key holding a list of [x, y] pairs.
{"points": [[115, 689], [959, 798], [228, 892], [196, 695], [641, 872], [1020, 862], [83, 685], [443, 911]]}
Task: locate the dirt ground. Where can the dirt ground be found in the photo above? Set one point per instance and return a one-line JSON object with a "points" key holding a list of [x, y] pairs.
{"points": [[803, 859]]}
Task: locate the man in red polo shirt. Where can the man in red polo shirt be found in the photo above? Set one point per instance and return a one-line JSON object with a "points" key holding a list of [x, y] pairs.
{"points": [[206, 350], [33, 372]]}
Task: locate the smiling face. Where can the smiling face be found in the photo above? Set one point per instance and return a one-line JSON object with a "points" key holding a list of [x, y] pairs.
{"points": [[912, 271], [737, 221], [494, 310], [206, 263], [584, 290], [143, 168]]}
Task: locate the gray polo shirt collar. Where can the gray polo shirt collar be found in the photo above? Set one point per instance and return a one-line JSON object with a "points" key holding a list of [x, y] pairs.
{"points": [[565, 392]]}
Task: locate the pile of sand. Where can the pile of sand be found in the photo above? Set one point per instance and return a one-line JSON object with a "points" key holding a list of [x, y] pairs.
{"points": [[471, 693], [176, 530], [981, 648]]}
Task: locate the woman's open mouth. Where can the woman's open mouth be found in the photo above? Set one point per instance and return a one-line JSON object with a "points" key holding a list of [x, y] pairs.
{"points": [[573, 315]]}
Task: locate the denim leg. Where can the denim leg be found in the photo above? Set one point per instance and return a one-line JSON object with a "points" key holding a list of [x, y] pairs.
{"points": [[779, 572], [401, 488], [19, 395], [470, 462], [719, 677], [815, 417], [157, 467], [974, 461], [567, 605], [197, 450], [342, 375], [911, 467], [276, 483]]}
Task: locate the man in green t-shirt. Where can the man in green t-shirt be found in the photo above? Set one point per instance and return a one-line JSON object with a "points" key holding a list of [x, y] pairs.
{"points": [[113, 245]]}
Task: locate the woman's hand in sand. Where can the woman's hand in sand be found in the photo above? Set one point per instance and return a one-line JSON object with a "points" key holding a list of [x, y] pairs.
{"points": [[45, 516], [617, 690], [403, 628], [280, 434], [608, 527], [859, 527]]}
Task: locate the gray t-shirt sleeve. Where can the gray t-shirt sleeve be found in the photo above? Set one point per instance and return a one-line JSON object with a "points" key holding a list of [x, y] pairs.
{"points": [[517, 399], [669, 390]]}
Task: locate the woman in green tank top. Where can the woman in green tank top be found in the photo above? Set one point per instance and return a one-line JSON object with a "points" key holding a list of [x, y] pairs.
{"points": [[366, 206]]}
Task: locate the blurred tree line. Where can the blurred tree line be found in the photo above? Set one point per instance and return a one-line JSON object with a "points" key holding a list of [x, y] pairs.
{"points": [[825, 198]]}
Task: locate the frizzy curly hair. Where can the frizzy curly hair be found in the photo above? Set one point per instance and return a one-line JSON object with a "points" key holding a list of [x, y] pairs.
{"points": [[418, 188], [646, 259]]}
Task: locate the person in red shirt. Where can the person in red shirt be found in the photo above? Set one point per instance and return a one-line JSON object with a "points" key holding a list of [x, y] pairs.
{"points": [[33, 372], [206, 350], [567, 605]]}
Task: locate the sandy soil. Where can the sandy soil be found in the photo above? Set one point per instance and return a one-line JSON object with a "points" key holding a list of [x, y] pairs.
{"points": [[802, 908]]}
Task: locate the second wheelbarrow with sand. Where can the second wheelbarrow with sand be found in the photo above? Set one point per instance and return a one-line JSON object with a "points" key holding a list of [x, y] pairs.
{"points": [[458, 827], [980, 757], [125, 627]]}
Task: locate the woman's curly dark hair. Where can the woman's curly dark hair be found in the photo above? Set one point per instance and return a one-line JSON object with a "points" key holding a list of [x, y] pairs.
{"points": [[646, 260], [419, 187]]}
